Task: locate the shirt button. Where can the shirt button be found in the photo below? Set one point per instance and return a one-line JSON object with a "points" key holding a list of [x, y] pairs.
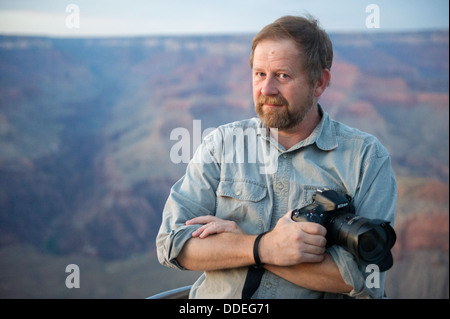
{"points": [[280, 185], [268, 285], [238, 192], [284, 155]]}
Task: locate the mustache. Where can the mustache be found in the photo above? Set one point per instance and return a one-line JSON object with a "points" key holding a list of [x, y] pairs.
{"points": [[274, 100]]}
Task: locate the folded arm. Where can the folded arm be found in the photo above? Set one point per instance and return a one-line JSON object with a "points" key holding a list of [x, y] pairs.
{"points": [[322, 276], [293, 251], [219, 251]]}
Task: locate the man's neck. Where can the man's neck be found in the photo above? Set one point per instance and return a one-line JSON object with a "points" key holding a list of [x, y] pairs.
{"points": [[290, 137]]}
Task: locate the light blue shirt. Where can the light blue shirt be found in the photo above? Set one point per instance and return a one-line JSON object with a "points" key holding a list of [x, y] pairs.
{"points": [[240, 173]]}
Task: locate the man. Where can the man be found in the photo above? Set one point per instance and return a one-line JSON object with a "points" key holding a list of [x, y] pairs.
{"points": [[227, 214]]}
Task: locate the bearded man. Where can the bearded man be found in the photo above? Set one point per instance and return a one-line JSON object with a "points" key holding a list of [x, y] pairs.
{"points": [[228, 217]]}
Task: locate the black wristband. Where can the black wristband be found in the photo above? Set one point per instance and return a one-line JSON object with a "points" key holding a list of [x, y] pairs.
{"points": [[258, 263]]}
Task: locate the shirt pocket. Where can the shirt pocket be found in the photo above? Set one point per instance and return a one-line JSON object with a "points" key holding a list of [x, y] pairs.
{"points": [[242, 202]]}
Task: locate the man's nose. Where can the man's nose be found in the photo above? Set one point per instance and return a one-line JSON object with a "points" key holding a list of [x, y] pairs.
{"points": [[269, 87]]}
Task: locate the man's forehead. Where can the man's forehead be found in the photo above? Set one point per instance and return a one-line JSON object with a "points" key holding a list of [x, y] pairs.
{"points": [[276, 51]]}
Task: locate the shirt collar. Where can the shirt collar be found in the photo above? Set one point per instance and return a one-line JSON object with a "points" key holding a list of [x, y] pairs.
{"points": [[324, 135]]}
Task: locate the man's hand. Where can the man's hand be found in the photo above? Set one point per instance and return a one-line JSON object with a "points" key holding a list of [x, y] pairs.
{"points": [[213, 225], [291, 243], [217, 244]]}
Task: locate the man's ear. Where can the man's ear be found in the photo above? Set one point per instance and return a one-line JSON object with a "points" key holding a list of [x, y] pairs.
{"points": [[322, 83]]}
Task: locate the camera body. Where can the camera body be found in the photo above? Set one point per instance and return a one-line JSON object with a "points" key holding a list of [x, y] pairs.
{"points": [[323, 210], [369, 240]]}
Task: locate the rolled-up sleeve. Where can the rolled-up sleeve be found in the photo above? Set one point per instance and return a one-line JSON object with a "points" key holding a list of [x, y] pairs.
{"points": [[376, 199], [193, 195]]}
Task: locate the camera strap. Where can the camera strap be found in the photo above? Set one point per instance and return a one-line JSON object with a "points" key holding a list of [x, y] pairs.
{"points": [[252, 281], [255, 273]]}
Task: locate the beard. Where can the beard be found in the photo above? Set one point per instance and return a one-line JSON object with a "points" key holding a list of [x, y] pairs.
{"points": [[284, 116]]}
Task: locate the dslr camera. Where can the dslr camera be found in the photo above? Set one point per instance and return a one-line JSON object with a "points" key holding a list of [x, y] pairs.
{"points": [[369, 240]]}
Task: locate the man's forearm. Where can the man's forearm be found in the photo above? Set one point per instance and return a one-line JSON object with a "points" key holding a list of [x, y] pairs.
{"points": [[220, 245], [220, 251], [231, 250], [323, 276]]}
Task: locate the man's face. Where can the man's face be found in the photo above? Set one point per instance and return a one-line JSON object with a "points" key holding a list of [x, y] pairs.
{"points": [[281, 91]]}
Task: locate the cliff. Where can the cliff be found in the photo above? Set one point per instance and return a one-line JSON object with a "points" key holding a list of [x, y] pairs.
{"points": [[85, 135]]}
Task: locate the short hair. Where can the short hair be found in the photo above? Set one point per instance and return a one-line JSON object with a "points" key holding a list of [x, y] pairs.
{"points": [[309, 38]]}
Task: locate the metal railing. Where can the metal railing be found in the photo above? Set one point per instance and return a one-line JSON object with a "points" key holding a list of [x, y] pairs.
{"points": [[178, 293]]}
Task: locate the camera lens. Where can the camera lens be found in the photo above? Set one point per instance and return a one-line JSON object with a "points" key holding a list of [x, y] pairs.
{"points": [[369, 240], [372, 244]]}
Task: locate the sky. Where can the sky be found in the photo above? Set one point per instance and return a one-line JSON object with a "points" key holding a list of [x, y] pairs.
{"points": [[93, 18]]}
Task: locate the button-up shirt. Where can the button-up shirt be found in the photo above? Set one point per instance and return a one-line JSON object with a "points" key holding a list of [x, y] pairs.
{"points": [[241, 173]]}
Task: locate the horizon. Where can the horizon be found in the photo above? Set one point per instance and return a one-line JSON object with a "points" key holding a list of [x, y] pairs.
{"points": [[210, 35], [137, 18]]}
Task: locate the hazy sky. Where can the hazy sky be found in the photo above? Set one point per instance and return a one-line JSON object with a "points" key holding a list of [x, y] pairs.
{"points": [[167, 17]]}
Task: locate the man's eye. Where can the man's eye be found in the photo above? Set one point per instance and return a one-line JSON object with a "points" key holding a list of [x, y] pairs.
{"points": [[260, 74], [283, 76]]}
